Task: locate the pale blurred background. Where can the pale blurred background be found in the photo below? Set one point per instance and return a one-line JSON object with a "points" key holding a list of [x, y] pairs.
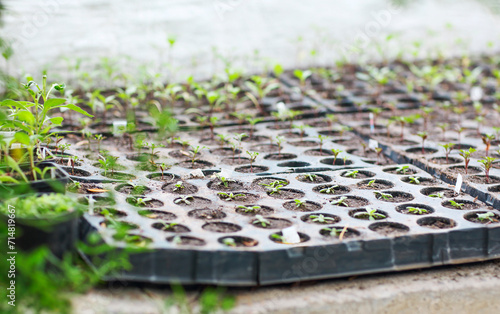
{"points": [[52, 34]]}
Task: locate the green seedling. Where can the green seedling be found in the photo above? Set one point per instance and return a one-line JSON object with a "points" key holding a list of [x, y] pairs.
{"points": [[402, 169], [302, 76], [487, 163], [329, 190], [351, 174], [229, 242], [108, 163], [341, 201], [279, 141], [370, 213], [423, 136], [414, 180], [322, 219], [230, 196], [99, 138], [466, 154], [179, 186], [262, 221], [371, 182], [437, 195], [223, 180], [184, 199], [278, 237], [487, 138], [169, 226], [447, 149], [249, 209], [334, 232], [322, 138], [417, 210], [455, 204], [335, 153], [140, 201], [381, 195], [443, 127], [253, 156], [311, 176], [195, 151], [299, 203], [275, 183], [489, 216], [163, 167]]}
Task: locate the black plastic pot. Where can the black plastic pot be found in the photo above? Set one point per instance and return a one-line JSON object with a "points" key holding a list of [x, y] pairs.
{"points": [[57, 184]]}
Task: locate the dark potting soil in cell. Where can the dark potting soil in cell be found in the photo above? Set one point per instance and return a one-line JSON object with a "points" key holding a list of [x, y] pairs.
{"points": [[157, 214], [357, 174], [397, 197], [483, 179], [480, 217], [460, 204], [271, 223], [437, 223], [252, 210], [219, 185], [317, 152], [221, 227], [286, 194], [237, 241], [331, 189], [314, 178], [321, 218], [236, 161], [374, 184], [192, 201], [306, 206], [197, 164], [252, 169], [185, 240], [281, 156], [389, 228], [207, 214], [180, 187]]}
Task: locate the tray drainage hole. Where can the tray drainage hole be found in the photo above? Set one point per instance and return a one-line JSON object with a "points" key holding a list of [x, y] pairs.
{"points": [[170, 227], [270, 223], [320, 218], [414, 209], [294, 164], [331, 189], [157, 214], [368, 214], [375, 184], [207, 214], [184, 240], [221, 227], [460, 204], [278, 237], [336, 232], [438, 192], [237, 241], [302, 206], [483, 217], [336, 162], [314, 178], [349, 201], [388, 228], [436, 222]]}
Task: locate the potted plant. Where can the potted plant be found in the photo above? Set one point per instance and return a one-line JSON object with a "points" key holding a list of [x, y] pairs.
{"points": [[47, 219]]}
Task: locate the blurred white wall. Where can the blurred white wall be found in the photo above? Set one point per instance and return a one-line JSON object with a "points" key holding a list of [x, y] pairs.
{"points": [[44, 31]]}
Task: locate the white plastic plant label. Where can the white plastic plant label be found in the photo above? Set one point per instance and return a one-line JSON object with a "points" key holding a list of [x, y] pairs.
{"points": [[290, 235], [476, 93], [119, 127], [372, 144], [458, 185]]}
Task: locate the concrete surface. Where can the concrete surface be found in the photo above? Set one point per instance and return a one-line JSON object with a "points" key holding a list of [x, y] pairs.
{"points": [[470, 288], [45, 31]]}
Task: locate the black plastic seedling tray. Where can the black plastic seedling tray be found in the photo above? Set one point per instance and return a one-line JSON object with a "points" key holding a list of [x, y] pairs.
{"points": [[400, 241], [186, 241]]}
